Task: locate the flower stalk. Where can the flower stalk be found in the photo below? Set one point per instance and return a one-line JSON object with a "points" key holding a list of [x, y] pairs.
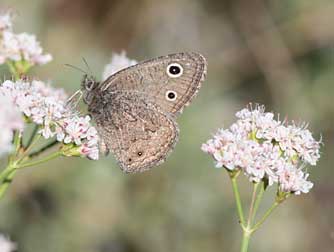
{"points": [[7, 175], [247, 225], [245, 240], [252, 209], [258, 200], [265, 216], [237, 198], [40, 161]]}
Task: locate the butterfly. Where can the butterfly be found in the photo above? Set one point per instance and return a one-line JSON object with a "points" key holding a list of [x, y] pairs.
{"points": [[135, 109]]}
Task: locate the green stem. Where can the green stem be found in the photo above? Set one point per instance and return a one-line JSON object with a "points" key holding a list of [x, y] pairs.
{"points": [[265, 216], [7, 181], [245, 240], [16, 142], [258, 201], [237, 199], [32, 136], [4, 174], [46, 147], [7, 175], [251, 209], [28, 148], [246, 234], [246, 230], [40, 161]]}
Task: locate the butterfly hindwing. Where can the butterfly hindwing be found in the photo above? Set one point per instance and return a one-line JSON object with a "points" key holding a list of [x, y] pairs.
{"points": [[137, 133]]}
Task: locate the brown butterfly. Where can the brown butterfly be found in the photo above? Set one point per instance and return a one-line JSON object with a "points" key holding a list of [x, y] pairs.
{"points": [[135, 109]]}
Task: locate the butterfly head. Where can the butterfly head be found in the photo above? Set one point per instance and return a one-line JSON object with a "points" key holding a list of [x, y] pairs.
{"points": [[88, 85]]}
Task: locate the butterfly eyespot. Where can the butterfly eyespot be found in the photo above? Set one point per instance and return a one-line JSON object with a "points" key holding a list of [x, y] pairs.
{"points": [[139, 153], [130, 159], [171, 95], [174, 70]]}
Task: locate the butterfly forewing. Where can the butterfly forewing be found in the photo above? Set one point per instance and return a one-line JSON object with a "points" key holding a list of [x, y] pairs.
{"points": [[155, 79]]}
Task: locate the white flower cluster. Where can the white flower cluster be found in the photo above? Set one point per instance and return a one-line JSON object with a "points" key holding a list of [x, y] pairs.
{"points": [[19, 47], [47, 107], [10, 120], [265, 148], [6, 245], [117, 63]]}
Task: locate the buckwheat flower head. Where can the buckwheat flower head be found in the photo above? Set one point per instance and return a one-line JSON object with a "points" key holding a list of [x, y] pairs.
{"points": [[47, 107], [118, 62], [265, 148], [10, 120], [6, 245], [21, 47]]}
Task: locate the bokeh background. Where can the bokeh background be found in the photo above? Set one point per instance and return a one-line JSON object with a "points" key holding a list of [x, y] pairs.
{"points": [[278, 53]]}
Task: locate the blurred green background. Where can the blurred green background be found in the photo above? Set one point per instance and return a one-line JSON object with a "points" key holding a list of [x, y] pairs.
{"points": [[278, 53]]}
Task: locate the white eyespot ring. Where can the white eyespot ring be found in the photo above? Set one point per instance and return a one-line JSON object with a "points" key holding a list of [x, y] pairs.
{"points": [[174, 70], [171, 95]]}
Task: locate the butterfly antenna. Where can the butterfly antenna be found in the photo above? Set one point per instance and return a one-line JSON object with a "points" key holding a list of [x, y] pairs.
{"points": [[76, 68], [90, 70]]}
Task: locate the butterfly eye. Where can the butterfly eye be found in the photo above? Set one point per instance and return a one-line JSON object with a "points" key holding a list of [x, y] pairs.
{"points": [[174, 70], [171, 95], [89, 85]]}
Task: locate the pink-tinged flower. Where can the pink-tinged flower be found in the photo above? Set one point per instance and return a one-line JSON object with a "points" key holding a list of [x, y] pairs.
{"points": [[46, 106], [293, 179], [265, 148], [78, 130], [75, 129], [118, 62], [10, 120], [266, 161], [90, 150], [6, 245], [209, 147], [21, 47]]}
